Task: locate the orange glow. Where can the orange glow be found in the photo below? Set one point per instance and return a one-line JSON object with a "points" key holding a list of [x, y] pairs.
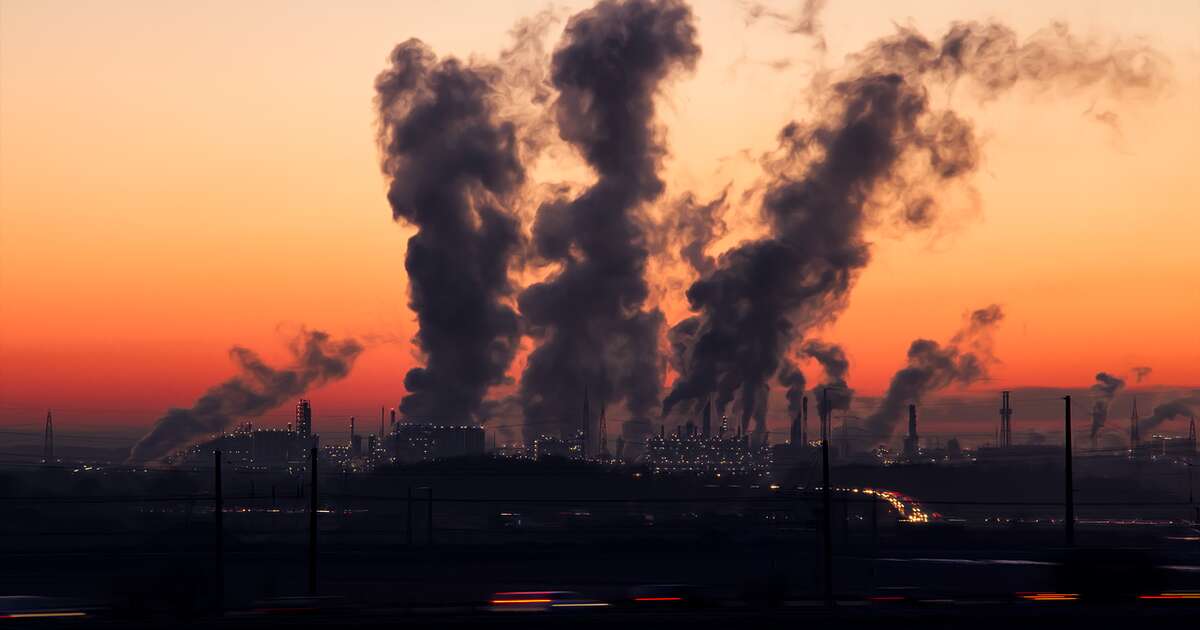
{"points": [[521, 601], [1171, 596], [37, 615], [1049, 597], [214, 178]]}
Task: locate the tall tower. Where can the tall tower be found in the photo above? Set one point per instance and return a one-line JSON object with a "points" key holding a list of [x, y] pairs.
{"points": [[1192, 433], [304, 418], [48, 440], [1134, 438], [912, 443], [724, 425], [381, 433], [706, 421], [795, 435], [1005, 421], [603, 434], [804, 421], [587, 420]]}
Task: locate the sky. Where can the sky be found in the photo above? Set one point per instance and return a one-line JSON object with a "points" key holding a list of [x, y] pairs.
{"points": [[177, 178]]}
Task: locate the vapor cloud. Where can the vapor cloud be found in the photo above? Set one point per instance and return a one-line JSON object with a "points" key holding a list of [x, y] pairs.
{"points": [[1185, 407], [932, 367], [259, 388], [589, 317], [1140, 373], [875, 150], [453, 168], [1104, 390]]}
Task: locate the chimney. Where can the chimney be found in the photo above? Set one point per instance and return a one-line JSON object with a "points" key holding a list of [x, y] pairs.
{"points": [[912, 444], [804, 421]]}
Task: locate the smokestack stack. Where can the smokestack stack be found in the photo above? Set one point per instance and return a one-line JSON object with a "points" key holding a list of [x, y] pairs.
{"points": [[1134, 438], [393, 416], [48, 440], [587, 421], [1005, 421], [912, 444], [707, 419], [795, 435], [804, 421]]}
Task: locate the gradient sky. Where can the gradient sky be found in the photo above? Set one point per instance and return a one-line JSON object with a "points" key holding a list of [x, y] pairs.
{"points": [[176, 178]]}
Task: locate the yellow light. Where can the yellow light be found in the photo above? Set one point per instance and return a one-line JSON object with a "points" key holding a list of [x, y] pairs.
{"points": [[34, 615]]}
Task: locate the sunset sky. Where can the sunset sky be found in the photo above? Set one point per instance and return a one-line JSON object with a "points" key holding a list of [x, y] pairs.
{"points": [[177, 178]]}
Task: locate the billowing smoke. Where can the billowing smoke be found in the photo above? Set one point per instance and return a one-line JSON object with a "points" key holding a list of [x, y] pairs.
{"points": [[1185, 407], [258, 389], [1104, 390], [1140, 373], [590, 316], [696, 225], [452, 168], [875, 150], [792, 378], [931, 367], [835, 365]]}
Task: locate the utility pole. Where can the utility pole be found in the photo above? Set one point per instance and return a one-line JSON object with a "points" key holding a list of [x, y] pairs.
{"points": [[827, 550], [218, 518], [1070, 479], [312, 523]]}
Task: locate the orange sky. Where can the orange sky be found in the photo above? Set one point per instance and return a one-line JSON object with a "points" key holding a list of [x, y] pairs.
{"points": [[176, 178]]}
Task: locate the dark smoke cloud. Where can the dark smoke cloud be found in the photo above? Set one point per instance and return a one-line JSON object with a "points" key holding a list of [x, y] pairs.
{"points": [[1185, 407], [931, 367], [1104, 390], [258, 389], [590, 315], [452, 168], [836, 366], [791, 378], [1140, 373], [875, 150]]}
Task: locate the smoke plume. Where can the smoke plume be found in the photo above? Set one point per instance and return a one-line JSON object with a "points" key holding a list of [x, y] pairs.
{"points": [[452, 168], [931, 367], [1140, 373], [590, 317], [1104, 390], [1186, 407], [258, 389], [875, 150], [835, 365]]}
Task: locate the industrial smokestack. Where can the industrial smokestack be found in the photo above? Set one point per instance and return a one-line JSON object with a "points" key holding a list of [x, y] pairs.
{"points": [[259, 388]]}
